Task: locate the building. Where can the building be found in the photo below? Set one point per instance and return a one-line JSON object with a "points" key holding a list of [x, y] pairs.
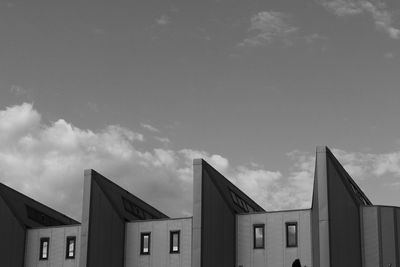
{"points": [[342, 228]]}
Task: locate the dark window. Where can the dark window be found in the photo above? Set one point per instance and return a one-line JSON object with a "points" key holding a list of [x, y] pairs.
{"points": [[44, 248], [41, 218], [145, 243], [291, 234], [258, 235], [70, 249], [135, 210], [174, 242]]}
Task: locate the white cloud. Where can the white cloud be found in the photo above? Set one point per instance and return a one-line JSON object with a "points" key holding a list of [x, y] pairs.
{"points": [[343, 7], [164, 140], [150, 128], [46, 161], [163, 20], [377, 9], [217, 161], [268, 26]]}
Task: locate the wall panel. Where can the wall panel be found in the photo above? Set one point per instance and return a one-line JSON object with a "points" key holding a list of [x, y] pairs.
{"points": [[371, 237], [388, 236], [275, 254], [57, 248], [159, 244]]}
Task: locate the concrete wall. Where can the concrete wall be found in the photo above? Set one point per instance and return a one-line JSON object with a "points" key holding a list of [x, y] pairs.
{"points": [[57, 247], [388, 237], [159, 243], [104, 215], [371, 246], [12, 238], [336, 220], [344, 219], [381, 240], [275, 253], [103, 230], [216, 201]]}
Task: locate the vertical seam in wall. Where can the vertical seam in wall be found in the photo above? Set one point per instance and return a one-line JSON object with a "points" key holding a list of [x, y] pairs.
{"points": [[89, 221], [380, 237], [124, 239], [361, 212], [202, 216], [329, 209], [23, 259], [396, 237]]}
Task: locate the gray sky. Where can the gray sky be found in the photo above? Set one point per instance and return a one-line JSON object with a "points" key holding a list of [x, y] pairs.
{"points": [[136, 89]]}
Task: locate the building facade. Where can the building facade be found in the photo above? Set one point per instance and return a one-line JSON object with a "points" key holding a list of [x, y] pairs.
{"points": [[342, 228]]}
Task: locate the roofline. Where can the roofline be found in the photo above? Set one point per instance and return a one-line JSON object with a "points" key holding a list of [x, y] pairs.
{"points": [[37, 202]]}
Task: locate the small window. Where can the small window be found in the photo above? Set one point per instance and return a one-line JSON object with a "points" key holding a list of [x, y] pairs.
{"points": [[174, 241], [70, 249], [145, 243], [258, 235], [44, 248], [291, 234]]}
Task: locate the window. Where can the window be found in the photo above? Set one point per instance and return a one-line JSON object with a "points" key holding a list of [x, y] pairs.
{"points": [[44, 248], [258, 235], [174, 241], [291, 234], [145, 243], [41, 218], [70, 248]]}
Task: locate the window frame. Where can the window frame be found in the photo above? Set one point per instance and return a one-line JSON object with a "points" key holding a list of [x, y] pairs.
{"points": [[259, 225], [68, 241], [42, 241], [171, 241], [295, 224], [142, 235]]}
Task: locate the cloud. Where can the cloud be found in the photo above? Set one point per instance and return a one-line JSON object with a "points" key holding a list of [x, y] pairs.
{"points": [[150, 128], [377, 9], [315, 37], [268, 26], [163, 20], [46, 161], [343, 7], [163, 140]]}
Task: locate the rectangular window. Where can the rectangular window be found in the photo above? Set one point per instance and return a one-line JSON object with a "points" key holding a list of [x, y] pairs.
{"points": [[258, 235], [174, 241], [70, 249], [145, 243], [291, 234], [44, 248]]}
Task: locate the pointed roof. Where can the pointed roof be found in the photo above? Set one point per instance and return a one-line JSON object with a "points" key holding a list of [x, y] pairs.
{"points": [[31, 213], [128, 206], [235, 198], [354, 190]]}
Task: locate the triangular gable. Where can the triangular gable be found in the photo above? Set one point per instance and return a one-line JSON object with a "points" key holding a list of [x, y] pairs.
{"points": [[238, 201], [356, 192], [31, 213], [128, 206]]}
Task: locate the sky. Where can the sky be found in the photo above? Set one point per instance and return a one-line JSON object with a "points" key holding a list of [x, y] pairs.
{"points": [[137, 89]]}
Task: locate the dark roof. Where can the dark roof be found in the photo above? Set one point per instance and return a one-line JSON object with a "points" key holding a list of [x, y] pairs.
{"points": [[128, 206], [31, 213], [356, 192], [238, 201]]}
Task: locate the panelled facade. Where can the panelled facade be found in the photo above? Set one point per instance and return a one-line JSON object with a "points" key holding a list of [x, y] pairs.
{"points": [[342, 227]]}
